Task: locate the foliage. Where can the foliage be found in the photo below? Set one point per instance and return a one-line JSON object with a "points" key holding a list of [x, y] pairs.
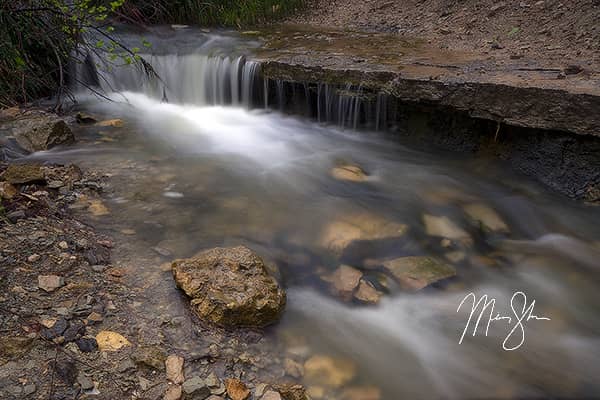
{"points": [[39, 38], [231, 13]]}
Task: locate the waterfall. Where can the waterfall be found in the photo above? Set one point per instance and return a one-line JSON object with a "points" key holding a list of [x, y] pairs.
{"points": [[218, 76], [346, 106], [197, 79]]}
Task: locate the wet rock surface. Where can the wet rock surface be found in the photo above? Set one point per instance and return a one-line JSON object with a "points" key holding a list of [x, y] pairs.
{"points": [[39, 130], [230, 287], [415, 273]]}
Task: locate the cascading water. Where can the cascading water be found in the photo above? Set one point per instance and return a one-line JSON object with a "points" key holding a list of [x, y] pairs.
{"points": [[186, 79], [209, 131], [214, 76], [210, 72]]}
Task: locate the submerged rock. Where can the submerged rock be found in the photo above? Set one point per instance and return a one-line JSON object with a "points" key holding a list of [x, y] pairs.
{"points": [[486, 217], [344, 280], [340, 233], [444, 227], [97, 208], [115, 123], [41, 131], [230, 287], [352, 173], [361, 393], [367, 293], [329, 371], [85, 118], [415, 273]]}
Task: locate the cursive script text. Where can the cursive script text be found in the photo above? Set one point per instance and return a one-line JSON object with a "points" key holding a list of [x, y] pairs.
{"points": [[483, 309]]}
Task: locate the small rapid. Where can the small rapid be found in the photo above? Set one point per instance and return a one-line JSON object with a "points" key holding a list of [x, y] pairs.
{"points": [[207, 158]]}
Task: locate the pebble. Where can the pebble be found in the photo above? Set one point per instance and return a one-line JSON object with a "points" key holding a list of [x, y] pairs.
{"points": [[85, 382], [111, 341], [271, 395], [260, 389], [174, 367], [196, 388], [173, 393], [236, 389], [87, 344], [72, 332], [34, 258], [99, 268], [144, 383], [63, 245], [55, 184], [95, 317], [50, 283], [30, 389]]}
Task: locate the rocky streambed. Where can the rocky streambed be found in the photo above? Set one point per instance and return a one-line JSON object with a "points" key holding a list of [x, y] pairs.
{"points": [[214, 251]]}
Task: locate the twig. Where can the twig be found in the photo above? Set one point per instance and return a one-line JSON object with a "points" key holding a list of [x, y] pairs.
{"points": [[497, 131]]}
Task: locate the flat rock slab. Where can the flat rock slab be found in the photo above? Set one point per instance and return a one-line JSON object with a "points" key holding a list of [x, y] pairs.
{"points": [[418, 272], [517, 92], [230, 287], [23, 173]]}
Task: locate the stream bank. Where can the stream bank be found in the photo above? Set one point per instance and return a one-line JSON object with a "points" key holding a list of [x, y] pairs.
{"points": [[75, 320]]}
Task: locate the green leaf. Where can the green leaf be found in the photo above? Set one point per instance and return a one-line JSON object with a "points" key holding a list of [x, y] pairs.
{"points": [[514, 31]]}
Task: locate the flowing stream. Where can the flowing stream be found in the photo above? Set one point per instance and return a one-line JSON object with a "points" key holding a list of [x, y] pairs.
{"points": [[205, 158]]}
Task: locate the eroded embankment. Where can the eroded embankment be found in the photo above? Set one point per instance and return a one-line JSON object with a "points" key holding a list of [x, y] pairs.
{"points": [[543, 120]]}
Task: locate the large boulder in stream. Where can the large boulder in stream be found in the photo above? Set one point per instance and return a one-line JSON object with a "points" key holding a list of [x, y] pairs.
{"points": [[230, 287], [38, 130]]}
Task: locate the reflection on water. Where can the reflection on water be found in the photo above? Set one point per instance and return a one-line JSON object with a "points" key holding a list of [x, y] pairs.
{"points": [[186, 177]]}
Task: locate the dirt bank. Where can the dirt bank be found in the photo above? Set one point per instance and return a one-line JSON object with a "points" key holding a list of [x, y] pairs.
{"points": [[553, 32]]}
